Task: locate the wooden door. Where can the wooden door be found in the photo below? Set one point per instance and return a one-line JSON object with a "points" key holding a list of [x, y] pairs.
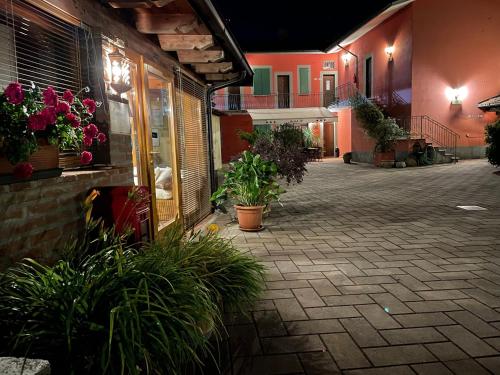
{"points": [[233, 98], [283, 91], [328, 89], [328, 142]]}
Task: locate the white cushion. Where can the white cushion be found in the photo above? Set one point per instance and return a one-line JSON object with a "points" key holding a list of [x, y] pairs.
{"points": [[163, 194]]}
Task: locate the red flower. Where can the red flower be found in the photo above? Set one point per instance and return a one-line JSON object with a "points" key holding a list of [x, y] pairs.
{"points": [[87, 141], [90, 131], [68, 96], [50, 96], [101, 137], [23, 170], [49, 114], [37, 122], [73, 119], [62, 107], [86, 157], [90, 104], [14, 93]]}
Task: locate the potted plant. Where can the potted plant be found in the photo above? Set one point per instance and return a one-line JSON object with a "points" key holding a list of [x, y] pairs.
{"points": [[35, 124], [251, 184]]}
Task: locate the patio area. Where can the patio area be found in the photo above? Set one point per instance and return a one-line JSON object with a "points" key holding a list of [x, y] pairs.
{"points": [[374, 271]]}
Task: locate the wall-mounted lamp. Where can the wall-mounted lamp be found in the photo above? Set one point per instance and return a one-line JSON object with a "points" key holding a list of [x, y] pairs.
{"points": [[346, 57], [120, 72], [456, 96], [389, 50]]}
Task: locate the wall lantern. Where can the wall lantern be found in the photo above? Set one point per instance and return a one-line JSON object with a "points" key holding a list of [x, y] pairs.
{"points": [[456, 96], [389, 50], [120, 72], [346, 57]]}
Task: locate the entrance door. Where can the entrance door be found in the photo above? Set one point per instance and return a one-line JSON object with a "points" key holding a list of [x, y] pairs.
{"points": [[283, 91], [328, 142], [234, 98], [328, 89]]}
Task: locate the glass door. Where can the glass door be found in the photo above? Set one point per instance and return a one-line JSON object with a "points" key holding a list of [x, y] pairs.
{"points": [[161, 147]]}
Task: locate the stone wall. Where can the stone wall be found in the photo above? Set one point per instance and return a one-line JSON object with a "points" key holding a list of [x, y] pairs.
{"points": [[38, 217]]}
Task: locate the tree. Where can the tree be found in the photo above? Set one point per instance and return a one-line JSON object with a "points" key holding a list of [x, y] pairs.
{"points": [[492, 132]]}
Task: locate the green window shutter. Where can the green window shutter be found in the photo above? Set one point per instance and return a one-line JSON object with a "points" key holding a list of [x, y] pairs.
{"points": [[262, 81], [303, 80]]}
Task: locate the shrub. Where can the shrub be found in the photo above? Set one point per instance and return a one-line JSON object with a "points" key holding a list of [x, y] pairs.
{"points": [[492, 133]]}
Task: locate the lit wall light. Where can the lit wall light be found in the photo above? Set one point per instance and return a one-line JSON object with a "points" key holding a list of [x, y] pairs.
{"points": [[389, 50], [456, 96], [120, 72], [346, 57]]}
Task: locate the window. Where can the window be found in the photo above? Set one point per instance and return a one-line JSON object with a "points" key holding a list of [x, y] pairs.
{"points": [[328, 64], [368, 77], [304, 80], [262, 81]]}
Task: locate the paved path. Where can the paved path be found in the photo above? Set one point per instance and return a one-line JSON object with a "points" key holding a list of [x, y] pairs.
{"points": [[371, 268]]}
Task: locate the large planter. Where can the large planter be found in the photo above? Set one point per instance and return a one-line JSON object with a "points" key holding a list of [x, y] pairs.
{"points": [[69, 160], [380, 157], [249, 218], [44, 158]]}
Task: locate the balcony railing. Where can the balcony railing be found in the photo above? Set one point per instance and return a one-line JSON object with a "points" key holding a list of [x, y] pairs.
{"points": [[240, 102]]}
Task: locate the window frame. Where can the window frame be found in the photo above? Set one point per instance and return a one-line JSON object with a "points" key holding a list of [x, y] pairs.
{"points": [[262, 67], [308, 67]]}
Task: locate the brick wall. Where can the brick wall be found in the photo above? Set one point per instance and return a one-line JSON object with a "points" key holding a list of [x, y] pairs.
{"points": [[40, 216]]}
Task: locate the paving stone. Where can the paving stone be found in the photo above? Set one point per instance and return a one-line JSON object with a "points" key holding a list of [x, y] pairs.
{"points": [[308, 297], [401, 292], [474, 324], [434, 295], [270, 364], [412, 335], [431, 369], [494, 342], [483, 311], [288, 284], [309, 327], [344, 351], [388, 301], [393, 370], [292, 344], [373, 280], [466, 367], [277, 293], [355, 299], [360, 289], [362, 332], [324, 287], [286, 266], [318, 363], [244, 340], [290, 309], [411, 283], [332, 312], [466, 341], [449, 284], [398, 355], [378, 317], [491, 363], [269, 323], [433, 306], [338, 278], [263, 305], [446, 351], [420, 274]]}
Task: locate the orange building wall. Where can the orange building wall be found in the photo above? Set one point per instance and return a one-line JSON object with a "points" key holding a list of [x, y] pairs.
{"points": [[456, 43], [230, 126]]}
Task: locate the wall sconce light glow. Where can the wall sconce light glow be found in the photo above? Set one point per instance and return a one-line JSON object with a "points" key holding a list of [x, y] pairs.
{"points": [[346, 57], [120, 72], [456, 96], [389, 50]]}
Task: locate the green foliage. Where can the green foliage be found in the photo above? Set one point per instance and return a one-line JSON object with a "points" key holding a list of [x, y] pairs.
{"points": [[383, 130], [492, 139], [251, 137], [123, 311], [308, 137], [250, 182]]}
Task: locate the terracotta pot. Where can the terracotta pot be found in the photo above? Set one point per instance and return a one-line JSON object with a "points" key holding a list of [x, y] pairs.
{"points": [[69, 160], [379, 157], [45, 157], [249, 218]]}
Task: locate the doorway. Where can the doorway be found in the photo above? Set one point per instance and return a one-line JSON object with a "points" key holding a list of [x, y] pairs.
{"points": [[328, 89], [283, 91], [368, 77]]}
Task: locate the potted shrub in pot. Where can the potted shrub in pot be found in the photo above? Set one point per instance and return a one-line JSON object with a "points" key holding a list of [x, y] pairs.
{"points": [[251, 185]]}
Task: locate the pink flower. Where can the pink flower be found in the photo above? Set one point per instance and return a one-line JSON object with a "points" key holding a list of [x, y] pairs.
{"points": [[86, 157], [14, 93], [90, 104], [37, 122], [50, 96], [90, 131], [68, 96], [73, 119], [87, 141], [101, 137], [23, 170], [49, 114], [62, 107]]}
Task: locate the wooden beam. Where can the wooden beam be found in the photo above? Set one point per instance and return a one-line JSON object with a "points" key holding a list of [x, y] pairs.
{"points": [[166, 23], [221, 77], [193, 56], [179, 42], [222, 67], [139, 3]]}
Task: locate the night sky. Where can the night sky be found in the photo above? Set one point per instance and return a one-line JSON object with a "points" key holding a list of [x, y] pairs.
{"points": [[294, 25]]}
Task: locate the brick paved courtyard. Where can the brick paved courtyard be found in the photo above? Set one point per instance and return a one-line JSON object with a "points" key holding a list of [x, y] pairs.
{"points": [[376, 271]]}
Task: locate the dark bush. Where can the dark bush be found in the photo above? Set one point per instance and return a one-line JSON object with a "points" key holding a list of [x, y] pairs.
{"points": [[493, 141]]}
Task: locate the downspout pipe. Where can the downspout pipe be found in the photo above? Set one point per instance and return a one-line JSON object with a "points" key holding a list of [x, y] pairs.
{"points": [[210, 91], [357, 64]]}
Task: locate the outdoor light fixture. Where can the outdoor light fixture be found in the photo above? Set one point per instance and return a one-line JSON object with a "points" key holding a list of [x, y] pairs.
{"points": [[120, 72], [346, 57], [389, 50], [456, 96]]}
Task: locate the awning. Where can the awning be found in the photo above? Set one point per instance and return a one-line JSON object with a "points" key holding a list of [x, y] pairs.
{"points": [[292, 115], [491, 104]]}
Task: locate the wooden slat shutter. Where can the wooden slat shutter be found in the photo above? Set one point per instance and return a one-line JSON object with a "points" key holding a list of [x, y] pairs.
{"points": [[303, 80], [38, 47], [262, 81]]}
